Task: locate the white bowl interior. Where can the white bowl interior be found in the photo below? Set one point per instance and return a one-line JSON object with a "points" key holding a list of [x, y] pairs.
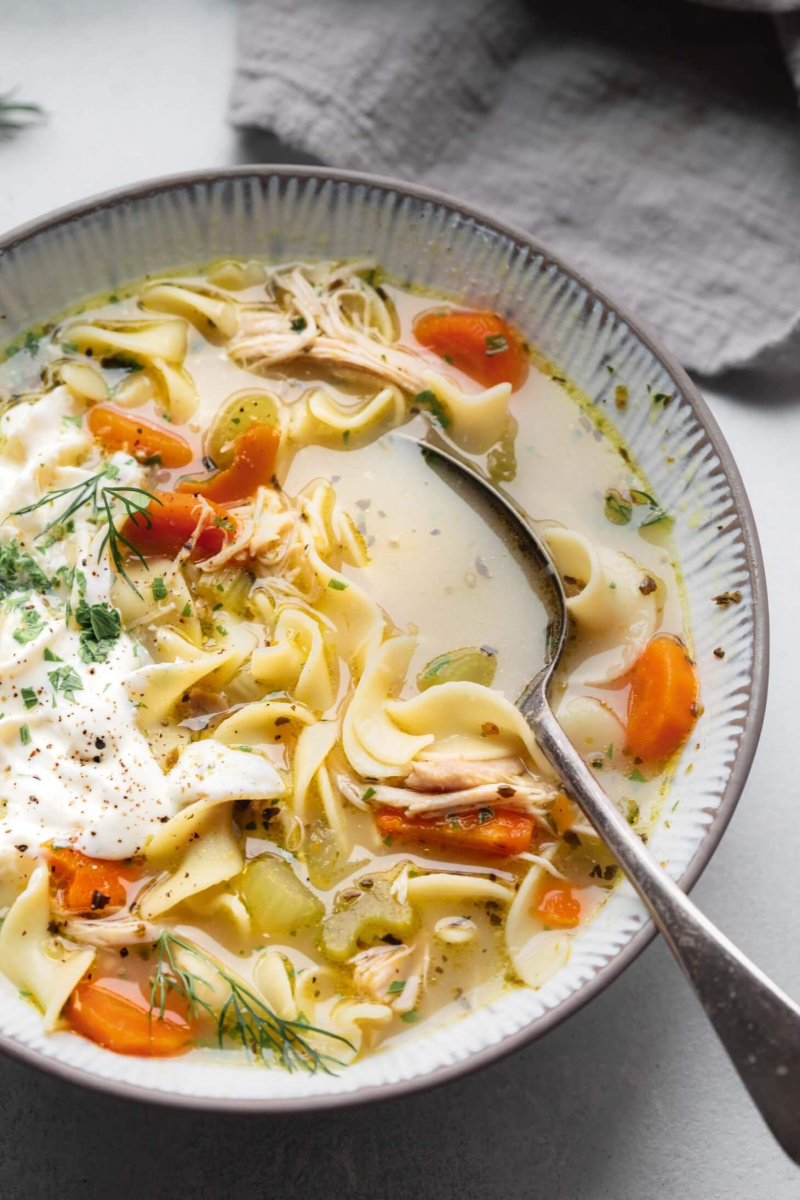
{"points": [[280, 215]]}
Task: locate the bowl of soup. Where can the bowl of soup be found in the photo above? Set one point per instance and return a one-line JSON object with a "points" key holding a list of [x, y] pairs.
{"points": [[273, 833]]}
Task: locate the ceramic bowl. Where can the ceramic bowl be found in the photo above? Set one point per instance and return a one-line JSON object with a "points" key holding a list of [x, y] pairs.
{"points": [[431, 240]]}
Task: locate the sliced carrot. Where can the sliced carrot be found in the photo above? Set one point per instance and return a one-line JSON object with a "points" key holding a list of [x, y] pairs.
{"points": [[122, 1024], [480, 344], [142, 439], [560, 907], [90, 884], [253, 467], [169, 523], [662, 705], [489, 831]]}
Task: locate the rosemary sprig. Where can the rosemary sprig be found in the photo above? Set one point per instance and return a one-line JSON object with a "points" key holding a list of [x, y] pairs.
{"points": [[100, 499], [244, 1017], [12, 110]]}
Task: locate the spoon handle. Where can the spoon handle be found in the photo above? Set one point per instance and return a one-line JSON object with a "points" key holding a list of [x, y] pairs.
{"points": [[756, 1022]]}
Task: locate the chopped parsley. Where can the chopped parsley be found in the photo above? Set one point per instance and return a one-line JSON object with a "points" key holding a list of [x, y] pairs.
{"points": [[20, 572], [338, 585], [396, 987], [67, 681], [368, 794], [299, 324], [187, 610], [24, 735], [496, 344], [636, 776], [430, 400], [32, 625], [225, 523], [29, 697], [101, 626], [159, 589], [49, 656], [410, 1017]]}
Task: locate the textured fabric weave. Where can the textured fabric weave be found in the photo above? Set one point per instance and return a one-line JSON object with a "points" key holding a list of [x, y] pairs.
{"points": [[655, 147]]}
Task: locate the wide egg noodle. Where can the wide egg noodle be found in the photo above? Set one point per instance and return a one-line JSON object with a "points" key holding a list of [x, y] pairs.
{"points": [[213, 315], [298, 661], [32, 958], [475, 420], [212, 855], [157, 346], [313, 746], [536, 953], [375, 746], [612, 613]]}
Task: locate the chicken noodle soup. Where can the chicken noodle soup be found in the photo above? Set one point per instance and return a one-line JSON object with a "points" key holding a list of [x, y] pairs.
{"points": [[264, 786]]}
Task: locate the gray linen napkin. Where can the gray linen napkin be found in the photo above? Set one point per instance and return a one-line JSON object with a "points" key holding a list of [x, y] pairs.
{"points": [[656, 147]]}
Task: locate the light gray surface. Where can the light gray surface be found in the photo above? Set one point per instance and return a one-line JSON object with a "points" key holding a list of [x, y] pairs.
{"points": [[632, 1099]]}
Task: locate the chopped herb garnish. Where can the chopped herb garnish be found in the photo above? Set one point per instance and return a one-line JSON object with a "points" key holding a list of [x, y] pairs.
{"points": [[49, 656], [410, 1017], [19, 572], [31, 342], [32, 625], [225, 522], [368, 794], [244, 1017], [29, 697], [187, 610], [496, 344], [101, 627], [485, 814], [617, 509], [24, 735], [101, 500], [66, 680], [430, 400], [338, 585], [299, 324], [159, 589], [396, 987], [636, 776]]}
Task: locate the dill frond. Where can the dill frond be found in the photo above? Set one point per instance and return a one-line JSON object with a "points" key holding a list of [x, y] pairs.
{"points": [[102, 501], [244, 1017]]}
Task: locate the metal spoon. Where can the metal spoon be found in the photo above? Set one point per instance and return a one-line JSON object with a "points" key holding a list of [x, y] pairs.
{"points": [[757, 1023]]}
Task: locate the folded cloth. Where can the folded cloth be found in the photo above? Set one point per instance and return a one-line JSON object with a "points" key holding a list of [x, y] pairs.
{"points": [[655, 146]]}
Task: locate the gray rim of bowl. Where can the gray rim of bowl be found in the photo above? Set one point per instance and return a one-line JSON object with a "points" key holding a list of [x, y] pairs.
{"points": [[758, 690]]}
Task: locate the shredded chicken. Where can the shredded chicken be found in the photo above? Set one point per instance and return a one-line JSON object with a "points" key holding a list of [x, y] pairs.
{"points": [[393, 975], [455, 774], [524, 796], [123, 931]]}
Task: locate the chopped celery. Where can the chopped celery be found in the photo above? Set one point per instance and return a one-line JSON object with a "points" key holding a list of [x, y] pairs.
{"points": [[275, 898], [365, 914], [468, 664]]}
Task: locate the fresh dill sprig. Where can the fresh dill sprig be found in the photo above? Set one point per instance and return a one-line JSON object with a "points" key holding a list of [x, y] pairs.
{"points": [[15, 116], [100, 499], [244, 1017]]}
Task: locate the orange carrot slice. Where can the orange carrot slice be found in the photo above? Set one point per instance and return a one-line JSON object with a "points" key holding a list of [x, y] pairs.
{"points": [[560, 907], [498, 832], [121, 1024], [87, 884], [253, 467], [480, 344], [662, 705], [143, 439], [169, 523]]}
